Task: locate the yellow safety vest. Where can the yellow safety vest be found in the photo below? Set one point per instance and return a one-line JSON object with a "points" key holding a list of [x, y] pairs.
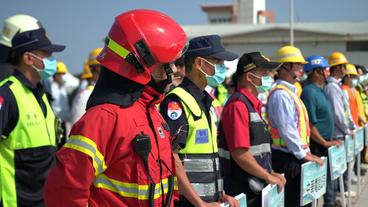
{"points": [[32, 130], [200, 154], [201, 137], [303, 120]]}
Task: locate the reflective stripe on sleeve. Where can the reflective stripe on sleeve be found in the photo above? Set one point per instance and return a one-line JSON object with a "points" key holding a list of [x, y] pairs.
{"points": [[89, 147], [131, 190]]}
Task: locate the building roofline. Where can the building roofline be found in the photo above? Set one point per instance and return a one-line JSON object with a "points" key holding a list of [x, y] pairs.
{"points": [[216, 7], [333, 28]]}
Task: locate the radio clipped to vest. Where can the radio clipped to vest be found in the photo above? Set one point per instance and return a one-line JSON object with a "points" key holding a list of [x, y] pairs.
{"points": [[143, 146]]}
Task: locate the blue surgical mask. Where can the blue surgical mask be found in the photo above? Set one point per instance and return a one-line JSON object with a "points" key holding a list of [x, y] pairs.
{"points": [[49, 67], [266, 84], [219, 76]]}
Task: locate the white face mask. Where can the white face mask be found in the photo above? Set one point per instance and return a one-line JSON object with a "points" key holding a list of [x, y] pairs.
{"points": [[354, 82]]}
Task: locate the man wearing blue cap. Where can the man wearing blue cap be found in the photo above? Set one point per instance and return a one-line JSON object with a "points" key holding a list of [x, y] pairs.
{"points": [[27, 122], [321, 118], [187, 110]]}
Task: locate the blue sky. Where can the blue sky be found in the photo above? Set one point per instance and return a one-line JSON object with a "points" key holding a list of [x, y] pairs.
{"points": [[82, 24]]}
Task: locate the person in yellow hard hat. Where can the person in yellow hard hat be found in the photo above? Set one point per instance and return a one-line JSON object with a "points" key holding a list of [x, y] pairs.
{"points": [[91, 68], [60, 100], [295, 59], [359, 97], [349, 83], [344, 124], [59, 93], [289, 124], [90, 75], [86, 71]]}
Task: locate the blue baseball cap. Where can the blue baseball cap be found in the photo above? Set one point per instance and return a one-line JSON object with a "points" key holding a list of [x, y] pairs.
{"points": [[33, 40], [209, 45]]}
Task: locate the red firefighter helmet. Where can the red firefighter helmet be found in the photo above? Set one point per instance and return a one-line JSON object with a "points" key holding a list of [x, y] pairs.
{"points": [[138, 41]]}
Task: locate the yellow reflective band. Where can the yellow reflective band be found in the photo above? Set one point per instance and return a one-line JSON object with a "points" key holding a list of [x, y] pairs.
{"points": [[176, 183], [89, 147], [250, 66], [290, 55], [118, 49], [131, 190]]}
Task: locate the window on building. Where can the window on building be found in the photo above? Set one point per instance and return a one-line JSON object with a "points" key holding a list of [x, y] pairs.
{"points": [[220, 20], [355, 46]]}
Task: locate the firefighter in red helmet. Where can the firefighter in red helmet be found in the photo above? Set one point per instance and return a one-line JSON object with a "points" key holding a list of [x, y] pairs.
{"points": [[119, 152]]}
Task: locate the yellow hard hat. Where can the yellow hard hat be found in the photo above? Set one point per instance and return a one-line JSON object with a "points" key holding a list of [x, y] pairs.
{"points": [[61, 68], [86, 71], [351, 70], [92, 56], [337, 58], [290, 54]]}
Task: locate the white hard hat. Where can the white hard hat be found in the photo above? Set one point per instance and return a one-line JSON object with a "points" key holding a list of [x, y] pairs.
{"points": [[17, 24]]}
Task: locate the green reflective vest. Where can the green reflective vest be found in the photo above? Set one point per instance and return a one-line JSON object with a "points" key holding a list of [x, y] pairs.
{"points": [[202, 139], [200, 154], [32, 130]]}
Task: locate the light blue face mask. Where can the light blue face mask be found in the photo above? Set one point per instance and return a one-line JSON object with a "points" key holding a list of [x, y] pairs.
{"points": [[49, 67], [219, 76], [266, 85]]}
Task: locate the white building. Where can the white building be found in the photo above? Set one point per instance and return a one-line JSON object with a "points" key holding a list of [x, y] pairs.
{"points": [[322, 38], [239, 12]]}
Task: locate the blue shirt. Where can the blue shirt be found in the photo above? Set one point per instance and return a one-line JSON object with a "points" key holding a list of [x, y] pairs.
{"points": [[340, 108], [319, 110], [283, 116]]}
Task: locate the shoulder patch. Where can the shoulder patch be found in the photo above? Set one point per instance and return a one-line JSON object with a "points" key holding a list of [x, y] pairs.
{"points": [[174, 110]]}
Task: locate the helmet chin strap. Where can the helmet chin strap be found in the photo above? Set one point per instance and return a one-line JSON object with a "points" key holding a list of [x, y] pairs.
{"points": [[160, 84], [290, 71]]}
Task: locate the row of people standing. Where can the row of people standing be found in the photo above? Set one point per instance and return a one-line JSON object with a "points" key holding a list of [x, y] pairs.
{"points": [[244, 140], [123, 153]]}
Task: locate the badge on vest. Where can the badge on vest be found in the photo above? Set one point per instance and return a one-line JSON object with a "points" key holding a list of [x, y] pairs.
{"points": [[174, 110], [201, 136]]}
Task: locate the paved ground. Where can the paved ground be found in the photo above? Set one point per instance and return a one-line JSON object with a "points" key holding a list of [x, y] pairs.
{"points": [[362, 200]]}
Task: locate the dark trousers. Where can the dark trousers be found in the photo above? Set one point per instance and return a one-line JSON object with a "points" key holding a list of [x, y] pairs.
{"points": [[286, 163], [183, 202], [240, 185]]}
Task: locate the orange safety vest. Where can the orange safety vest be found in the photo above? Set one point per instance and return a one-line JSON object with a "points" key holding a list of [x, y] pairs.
{"points": [[353, 105], [303, 120], [360, 105]]}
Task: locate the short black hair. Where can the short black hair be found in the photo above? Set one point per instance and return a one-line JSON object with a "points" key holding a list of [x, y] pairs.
{"points": [[333, 68], [188, 62], [361, 67], [16, 59], [315, 71]]}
